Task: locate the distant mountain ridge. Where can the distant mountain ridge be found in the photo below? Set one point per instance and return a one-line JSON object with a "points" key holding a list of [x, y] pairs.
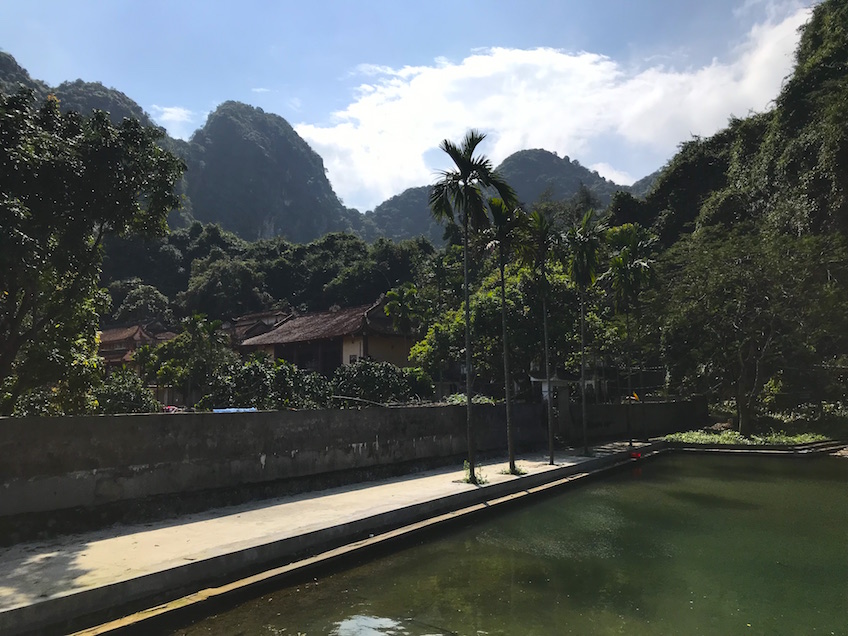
{"points": [[251, 173]]}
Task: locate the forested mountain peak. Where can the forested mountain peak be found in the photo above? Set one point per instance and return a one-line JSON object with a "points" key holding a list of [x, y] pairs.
{"points": [[535, 172], [84, 97], [249, 171], [785, 169], [252, 173]]}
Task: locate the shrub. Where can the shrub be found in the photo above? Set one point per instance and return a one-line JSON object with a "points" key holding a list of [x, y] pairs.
{"points": [[372, 381], [124, 392]]}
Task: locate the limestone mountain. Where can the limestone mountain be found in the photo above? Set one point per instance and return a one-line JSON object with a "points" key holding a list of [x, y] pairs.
{"points": [[785, 169], [403, 216], [532, 173], [84, 97], [12, 75], [249, 171]]}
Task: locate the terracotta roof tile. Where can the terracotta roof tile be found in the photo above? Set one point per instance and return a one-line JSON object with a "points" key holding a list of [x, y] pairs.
{"points": [[327, 324]]}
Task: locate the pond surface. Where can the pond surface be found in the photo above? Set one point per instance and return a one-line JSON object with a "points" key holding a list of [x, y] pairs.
{"points": [[680, 545]]}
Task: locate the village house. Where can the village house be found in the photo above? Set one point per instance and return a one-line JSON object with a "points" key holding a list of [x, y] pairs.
{"points": [[118, 344], [255, 324], [324, 341]]}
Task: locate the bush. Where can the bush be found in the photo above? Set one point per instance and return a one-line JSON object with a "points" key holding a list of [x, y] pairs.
{"points": [[124, 392], [373, 381], [419, 381]]}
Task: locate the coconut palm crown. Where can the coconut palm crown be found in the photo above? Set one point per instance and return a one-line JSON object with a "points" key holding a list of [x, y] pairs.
{"points": [[462, 192]]}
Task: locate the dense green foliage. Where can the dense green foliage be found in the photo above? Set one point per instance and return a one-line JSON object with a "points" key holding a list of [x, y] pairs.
{"points": [[778, 438], [204, 269], [123, 391], [727, 278], [66, 183]]}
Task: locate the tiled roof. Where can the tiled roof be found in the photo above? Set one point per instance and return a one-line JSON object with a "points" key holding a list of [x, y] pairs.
{"points": [[327, 324], [119, 334]]}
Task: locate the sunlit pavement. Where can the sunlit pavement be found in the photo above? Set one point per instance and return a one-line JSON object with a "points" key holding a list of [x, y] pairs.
{"points": [[35, 572]]}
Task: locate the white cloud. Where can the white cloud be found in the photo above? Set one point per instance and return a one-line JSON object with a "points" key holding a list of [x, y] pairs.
{"points": [[260, 90], [616, 176], [178, 121], [582, 104]]}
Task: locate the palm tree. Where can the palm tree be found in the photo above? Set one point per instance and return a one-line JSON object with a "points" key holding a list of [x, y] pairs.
{"points": [[541, 241], [630, 272], [461, 192], [506, 221], [585, 241]]}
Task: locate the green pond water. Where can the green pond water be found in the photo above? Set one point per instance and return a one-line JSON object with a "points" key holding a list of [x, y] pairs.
{"points": [[680, 545]]}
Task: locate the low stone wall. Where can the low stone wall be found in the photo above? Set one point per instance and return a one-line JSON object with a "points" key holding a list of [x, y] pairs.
{"points": [[76, 463], [641, 419], [51, 464]]}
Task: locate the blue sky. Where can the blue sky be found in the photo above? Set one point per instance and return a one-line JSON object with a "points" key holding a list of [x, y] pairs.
{"points": [[374, 86]]}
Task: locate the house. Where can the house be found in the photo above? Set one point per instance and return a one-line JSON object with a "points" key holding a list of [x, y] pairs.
{"points": [[324, 341], [244, 327], [118, 344]]}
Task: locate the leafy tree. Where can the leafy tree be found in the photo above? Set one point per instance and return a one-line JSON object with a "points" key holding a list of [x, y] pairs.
{"points": [[192, 359], [506, 224], [538, 246], [402, 306], [145, 303], [742, 305], [585, 242], [461, 191], [221, 287], [66, 183], [123, 391], [631, 271], [371, 381]]}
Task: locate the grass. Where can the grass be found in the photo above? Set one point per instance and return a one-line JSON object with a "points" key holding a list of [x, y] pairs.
{"points": [[780, 438], [518, 471], [459, 399], [481, 477]]}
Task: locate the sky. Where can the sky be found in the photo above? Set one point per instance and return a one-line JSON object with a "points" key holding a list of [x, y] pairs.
{"points": [[375, 85]]}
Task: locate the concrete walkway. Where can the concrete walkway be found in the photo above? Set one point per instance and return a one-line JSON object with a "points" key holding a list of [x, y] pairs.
{"points": [[43, 584]]}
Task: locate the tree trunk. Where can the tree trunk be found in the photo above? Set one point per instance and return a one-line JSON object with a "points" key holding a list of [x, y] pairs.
{"points": [[509, 432], [743, 405], [629, 381], [550, 400], [583, 372], [472, 450]]}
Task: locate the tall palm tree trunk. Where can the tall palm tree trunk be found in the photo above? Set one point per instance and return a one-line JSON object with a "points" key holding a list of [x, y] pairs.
{"points": [[472, 451], [583, 371], [550, 399], [510, 444], [629, 402]]}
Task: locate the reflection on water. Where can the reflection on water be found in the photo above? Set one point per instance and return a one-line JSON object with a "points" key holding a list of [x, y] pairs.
{"points": [[688, 545]]}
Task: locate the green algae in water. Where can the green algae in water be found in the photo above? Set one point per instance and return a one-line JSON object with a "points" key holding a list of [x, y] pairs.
{"points": [[680, 545]]}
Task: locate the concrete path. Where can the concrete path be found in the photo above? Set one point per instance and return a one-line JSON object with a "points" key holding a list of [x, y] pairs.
{"points": [[45, 582]]}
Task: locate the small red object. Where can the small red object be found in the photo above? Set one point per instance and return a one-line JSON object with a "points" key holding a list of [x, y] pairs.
{"points": [[635, 455]]}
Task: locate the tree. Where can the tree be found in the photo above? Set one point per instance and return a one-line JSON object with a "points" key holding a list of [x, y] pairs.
{"points": [[66, 182], [124, 392], [506, 224], [145, 303], [402, 307], [540, 242], [192, 359], [461, 192], [585, 242], [742, 305], [630, 272]]}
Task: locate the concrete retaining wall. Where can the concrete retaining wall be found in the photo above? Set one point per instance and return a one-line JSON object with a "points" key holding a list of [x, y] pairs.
{"points": [[56, 464], [646, 419], [59, 463]]}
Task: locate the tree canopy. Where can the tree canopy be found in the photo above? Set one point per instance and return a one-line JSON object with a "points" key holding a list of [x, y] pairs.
{"points": [[66, 182]]}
